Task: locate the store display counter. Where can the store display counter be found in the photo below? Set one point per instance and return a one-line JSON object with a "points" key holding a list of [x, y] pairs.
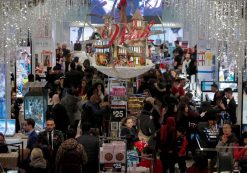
{"points": [[17, 138], [15, 144], [9, 160]]}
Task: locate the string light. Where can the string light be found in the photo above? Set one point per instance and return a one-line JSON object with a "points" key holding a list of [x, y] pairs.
{"points": [[20, 19]]}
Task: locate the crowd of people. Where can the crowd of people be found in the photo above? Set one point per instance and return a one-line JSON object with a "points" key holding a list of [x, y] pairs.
{"points": [[169, 126]]}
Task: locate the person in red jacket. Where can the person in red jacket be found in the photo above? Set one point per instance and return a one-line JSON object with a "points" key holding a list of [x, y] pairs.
{"points": [[168, 135], [181, 149], [241, 154]]}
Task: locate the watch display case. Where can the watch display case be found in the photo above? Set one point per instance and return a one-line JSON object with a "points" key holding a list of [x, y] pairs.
{"points": [[35, 104], [3, 113]]}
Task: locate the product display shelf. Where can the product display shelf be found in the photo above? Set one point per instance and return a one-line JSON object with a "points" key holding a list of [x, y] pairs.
{"points": [[135, 105]]}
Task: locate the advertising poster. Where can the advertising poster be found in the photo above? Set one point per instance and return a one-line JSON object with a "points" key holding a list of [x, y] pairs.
{"points": [[103, 7], [23, 69], [227, 69]]}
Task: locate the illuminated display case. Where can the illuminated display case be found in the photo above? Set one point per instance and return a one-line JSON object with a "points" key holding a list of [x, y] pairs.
{"points": [[3, 113], [35, 104]]}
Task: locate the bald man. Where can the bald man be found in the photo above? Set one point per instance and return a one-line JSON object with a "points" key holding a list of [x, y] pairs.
{"points": [[59, 114]]}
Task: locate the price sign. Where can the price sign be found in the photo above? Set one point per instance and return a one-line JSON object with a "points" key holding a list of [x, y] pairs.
{"points": [[118, 112], [117, 167]]}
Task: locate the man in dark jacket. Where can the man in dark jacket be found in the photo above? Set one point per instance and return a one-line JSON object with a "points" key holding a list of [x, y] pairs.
{"points": [[32, 135], [230, 105], [50, 140], [59, 114], [91, 145], [51, 137], [73, 77]]}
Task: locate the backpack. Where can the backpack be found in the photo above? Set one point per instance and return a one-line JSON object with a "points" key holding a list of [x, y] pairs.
{"points": [[71, 160]]}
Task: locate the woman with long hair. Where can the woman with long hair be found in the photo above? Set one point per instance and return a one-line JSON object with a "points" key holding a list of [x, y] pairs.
{"points": [[83, 89]]}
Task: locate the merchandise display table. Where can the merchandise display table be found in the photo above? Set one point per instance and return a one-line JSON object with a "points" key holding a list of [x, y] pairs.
{"points": [[17, 138], [9, 160]]}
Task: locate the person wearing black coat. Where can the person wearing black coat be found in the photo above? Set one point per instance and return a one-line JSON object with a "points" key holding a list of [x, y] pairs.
{"points": [[229, 105], [73, 77], [93, 112], [146, 124], [91, 146], [59, 114], [192, 69]]}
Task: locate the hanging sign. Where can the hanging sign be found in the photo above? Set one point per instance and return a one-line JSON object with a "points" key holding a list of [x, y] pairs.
{"points": [[118, 112], [126, 33]]}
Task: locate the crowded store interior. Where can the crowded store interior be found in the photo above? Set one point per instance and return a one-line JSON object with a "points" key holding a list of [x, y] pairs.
{"points": [[131, 86]]}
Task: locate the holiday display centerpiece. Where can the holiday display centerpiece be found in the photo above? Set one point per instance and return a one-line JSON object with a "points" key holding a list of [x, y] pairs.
{"points": [[122, 48]]}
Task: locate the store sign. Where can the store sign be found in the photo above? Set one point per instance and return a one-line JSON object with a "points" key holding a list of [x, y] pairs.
{"points": [[117, 167], [126, 33], [118, 112], [118, 91]]}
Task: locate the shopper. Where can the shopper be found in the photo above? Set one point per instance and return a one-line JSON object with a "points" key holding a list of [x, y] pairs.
{"points": [[65, 50], [217, 94], [91, 146], [71, 155], [230, 105], [186, 63], [68, 60], [93, 112], [83, 89], [168, 135], [59, 114], [241, 154], [16, 105], [3, 146], [37, 163], [181, 142], [145, 122], [192, 69], [71, 102], [128, 132], [200, 165], [72, 77], [228, 140], [178, 49], [32, 135]]}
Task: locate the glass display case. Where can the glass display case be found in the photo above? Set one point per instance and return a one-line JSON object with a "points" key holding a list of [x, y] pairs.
{"points": [[35, 104], [3, 113]]}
